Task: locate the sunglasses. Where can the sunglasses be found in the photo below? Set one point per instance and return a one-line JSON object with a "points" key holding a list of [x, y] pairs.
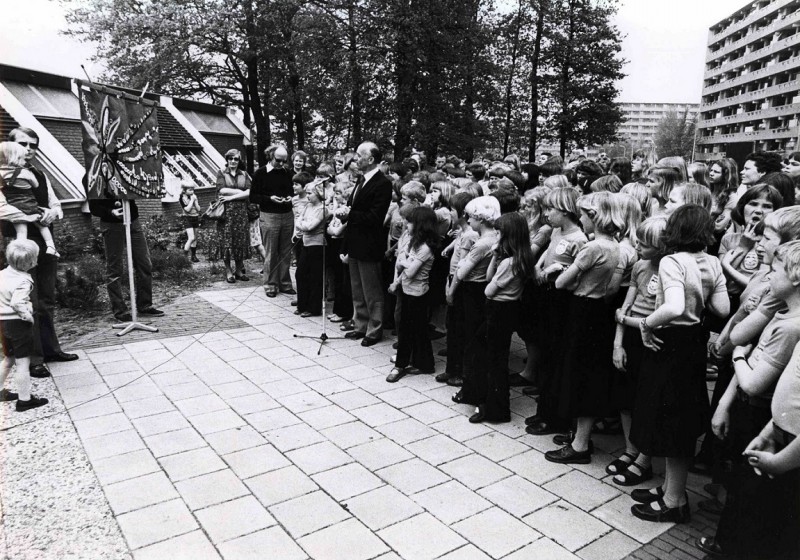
{"points": [[33, 145], [233, 159], [280, 161]]}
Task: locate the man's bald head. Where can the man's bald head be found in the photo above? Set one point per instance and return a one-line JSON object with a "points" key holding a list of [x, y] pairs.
{"points": [[279, 157], [369, 156]]}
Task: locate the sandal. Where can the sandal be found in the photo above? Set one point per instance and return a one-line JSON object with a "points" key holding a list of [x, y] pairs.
{"points": [[335, 318], [630, 478], [620, 465], [396, 375], [458, 398], [347, 326]]}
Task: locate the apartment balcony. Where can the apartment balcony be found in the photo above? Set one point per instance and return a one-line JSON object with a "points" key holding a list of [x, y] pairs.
{"points": [[768, 113], [748, 96], [753, 136], [779, 23], [777, 68], [777, 46], [752, 17]]}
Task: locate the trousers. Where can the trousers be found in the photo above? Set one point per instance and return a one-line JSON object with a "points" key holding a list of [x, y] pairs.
{"points": [[276, 231], [367, 288], [114, 243]]}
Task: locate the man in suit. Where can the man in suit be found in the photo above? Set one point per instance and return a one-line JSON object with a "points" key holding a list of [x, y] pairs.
{"points": [[365, 243]]}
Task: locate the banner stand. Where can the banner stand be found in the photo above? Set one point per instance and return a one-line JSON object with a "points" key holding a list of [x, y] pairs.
{"points": [[134, 324]]}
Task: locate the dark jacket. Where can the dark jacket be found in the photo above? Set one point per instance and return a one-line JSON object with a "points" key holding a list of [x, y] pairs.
{"points": [[277, 182], [364, 236]]}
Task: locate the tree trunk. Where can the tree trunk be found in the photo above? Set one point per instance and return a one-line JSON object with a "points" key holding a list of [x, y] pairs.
{"points": [[469, 93], [405, 78], [562, 127], [357, 83], [259, 108], [510, 83], [537, 49]]}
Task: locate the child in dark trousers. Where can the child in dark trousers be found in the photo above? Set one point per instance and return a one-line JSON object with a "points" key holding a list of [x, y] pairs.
{"points": [[412, 285], [459, 248], [471, 277], [511, 265], [309, 268]]}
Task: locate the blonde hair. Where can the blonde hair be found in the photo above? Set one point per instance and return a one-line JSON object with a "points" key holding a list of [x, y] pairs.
{"points": [[22, 254], [786, 222], [630, 214], [564, 199], [651, 232], [556, 182], [187, 184], [642, 195], [414, 190], [599, 207], [484, 208], [695, 193], [535, 198], [12, 154], [789, 255]]}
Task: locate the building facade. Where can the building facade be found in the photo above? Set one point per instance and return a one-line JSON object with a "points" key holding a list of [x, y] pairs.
{"points": [[751, 87], [641, 119]]}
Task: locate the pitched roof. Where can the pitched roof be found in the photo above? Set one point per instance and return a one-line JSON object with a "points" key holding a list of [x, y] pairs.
{"points": [[172, 134]]}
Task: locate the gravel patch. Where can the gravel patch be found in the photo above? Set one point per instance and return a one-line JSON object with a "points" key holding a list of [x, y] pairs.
{"points": [[51, 503]]}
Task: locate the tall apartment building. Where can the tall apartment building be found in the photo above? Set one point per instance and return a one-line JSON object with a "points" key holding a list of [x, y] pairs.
{"points": [[751, 87], [641, 119]]}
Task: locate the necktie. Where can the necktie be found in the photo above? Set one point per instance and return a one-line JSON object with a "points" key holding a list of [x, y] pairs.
{"points": [[359, 184]]}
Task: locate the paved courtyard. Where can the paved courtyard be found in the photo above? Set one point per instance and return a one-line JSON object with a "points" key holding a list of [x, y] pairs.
{"points": [[246, 443]]}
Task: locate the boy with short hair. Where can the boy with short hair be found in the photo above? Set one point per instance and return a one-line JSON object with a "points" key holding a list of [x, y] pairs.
{"points": [[16, 322]]}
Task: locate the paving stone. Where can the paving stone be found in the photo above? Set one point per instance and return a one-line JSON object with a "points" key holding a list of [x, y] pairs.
{"points": [[382, 507], [102, 425], [237, 389], [170, 443], [430, 412], [235, 440], [112, 444], [280, 485], [331, 385], [191, 463], [137, 493], [541, 549], [348, 435], [309, 513], [209, 489], [517, 496], [319, 457], [256, 460], [617, 513], [126, 466], [532, 466], [582, 490], [475, 471], [183, 391], [100, 407], [356, 398], [467, 552], [326, 417], [252, 547], [379, 453], [422, 538], [147, 407], [191, 546], [347, 481], [496, 447], [437, 449], [378, 414], [273, 419], [160, 423], [496, 532], [412, 476], [348, 540], [252, 403], [451, 502], [233, 519], [406, 431], [294, 437], [200, 405], [141, 389], [156, 523], [283, 388], [567, 525], [303, 402], [611, 546]]}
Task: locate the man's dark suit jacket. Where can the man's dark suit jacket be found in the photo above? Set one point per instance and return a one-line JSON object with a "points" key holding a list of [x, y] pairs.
{"points": [[364, 237]]}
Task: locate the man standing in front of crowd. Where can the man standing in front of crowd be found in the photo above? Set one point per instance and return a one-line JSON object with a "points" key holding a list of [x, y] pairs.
{"points": [[46, 347], [756, 165], [272, 191], [364, 239]]}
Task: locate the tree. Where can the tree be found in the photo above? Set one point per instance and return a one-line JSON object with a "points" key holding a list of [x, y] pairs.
{"points": [[675, 135]]}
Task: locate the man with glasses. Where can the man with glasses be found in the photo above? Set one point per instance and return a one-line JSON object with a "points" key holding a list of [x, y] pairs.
{"points": [[46, 346], [272, 191]]}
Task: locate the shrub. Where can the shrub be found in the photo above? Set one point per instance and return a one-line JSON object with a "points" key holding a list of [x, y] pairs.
{"points": [[172, 265], [79, 288], [157, 233]]}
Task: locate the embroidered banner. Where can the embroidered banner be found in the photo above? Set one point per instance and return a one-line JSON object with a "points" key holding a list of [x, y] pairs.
{"points": [[120, 144]]}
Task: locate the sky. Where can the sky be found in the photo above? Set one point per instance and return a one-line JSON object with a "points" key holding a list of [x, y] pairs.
{"points": [[665, 44]]}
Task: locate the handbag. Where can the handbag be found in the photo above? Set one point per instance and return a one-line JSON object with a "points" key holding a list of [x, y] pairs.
{"points": [[253, 211], [216, 211]]}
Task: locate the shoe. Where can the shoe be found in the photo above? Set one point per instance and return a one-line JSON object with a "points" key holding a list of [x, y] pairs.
{"points": [[455, 381], [395, 345], [231, 280], [370, 341], [396, 375], [711, 506], [33, 402], [305, 314], [516, 380], [631, 478], [568, 456], [458, 398], [442, 377], [709, 546], [40, 371], [355, 335], [152, 311], [297, 312], [393, 359], [61, 357], [243, 277], [566, 439], [619, 465], [335, 318], [124, 317], [8, 396], [289, 292], [195, 259], [647, 512], [531, 391], [646, 495], [541, 429], [346, 326], [442, 352], [293, 303], [478, 417], [535, 419], [271, 293]]}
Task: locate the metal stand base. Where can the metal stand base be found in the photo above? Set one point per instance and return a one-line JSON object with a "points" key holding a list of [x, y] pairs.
{"points": [[133, 326], [323, 338]]}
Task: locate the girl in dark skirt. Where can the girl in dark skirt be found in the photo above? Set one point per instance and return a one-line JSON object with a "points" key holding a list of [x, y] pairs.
{"points": [[671, 408], [547, 304], [583, 375], [511, 265]]}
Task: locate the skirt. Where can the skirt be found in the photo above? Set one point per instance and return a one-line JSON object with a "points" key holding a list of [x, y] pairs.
{"points": [[584, 371], [255, 233], [529, 313], [671, 409], [549, 324], [232, 239], [624, 383]]}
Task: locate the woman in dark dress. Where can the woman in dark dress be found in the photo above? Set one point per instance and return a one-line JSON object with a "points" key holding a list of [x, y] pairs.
{"points": [[233, 232]]}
